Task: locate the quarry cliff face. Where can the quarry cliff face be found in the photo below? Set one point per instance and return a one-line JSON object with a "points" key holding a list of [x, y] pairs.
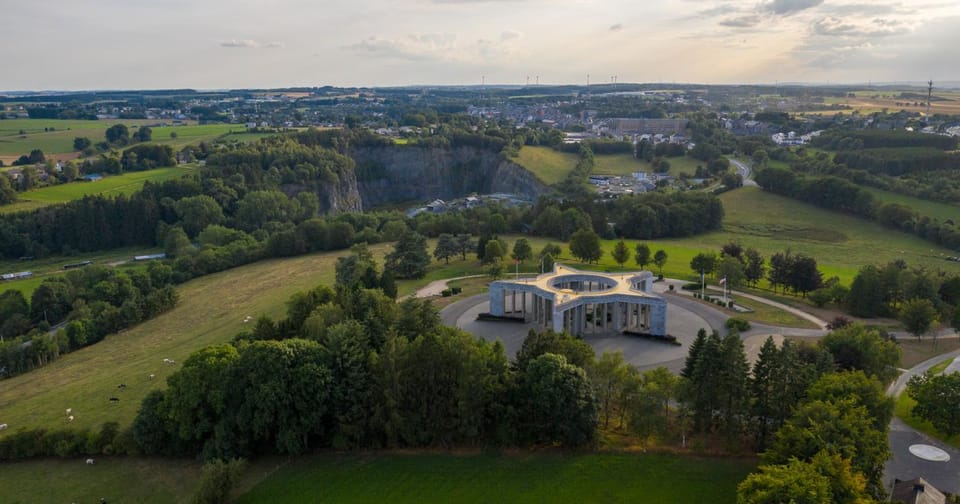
{"points": [[407, 173]]}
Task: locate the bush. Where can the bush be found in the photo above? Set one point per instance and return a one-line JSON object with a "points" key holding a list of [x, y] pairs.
{"points": [[737, 323], [218, 480], [445, 293]]}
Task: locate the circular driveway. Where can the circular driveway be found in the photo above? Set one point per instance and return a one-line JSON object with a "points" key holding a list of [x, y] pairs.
{"points": [[640, 352]]}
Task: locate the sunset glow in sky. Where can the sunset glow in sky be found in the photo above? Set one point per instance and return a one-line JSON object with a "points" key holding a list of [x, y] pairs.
{"points": [[203, 44]]}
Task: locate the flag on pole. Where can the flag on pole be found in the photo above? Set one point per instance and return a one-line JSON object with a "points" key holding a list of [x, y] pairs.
{"points": [[723, 280]]}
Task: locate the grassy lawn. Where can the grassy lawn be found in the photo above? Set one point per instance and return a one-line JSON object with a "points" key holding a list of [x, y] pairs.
{"points": [[904, 408], [211, 310], [126, 183], [600, 478]]}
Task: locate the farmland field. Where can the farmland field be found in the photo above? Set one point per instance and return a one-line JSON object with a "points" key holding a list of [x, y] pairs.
{"points": [[58, 141], [599, 478], [108, 186], [59, 137]]}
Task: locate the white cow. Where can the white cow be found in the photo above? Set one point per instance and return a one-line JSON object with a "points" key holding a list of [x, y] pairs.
{"points": [[3, 426], [70, 418], [89, 461], [69, 410]]}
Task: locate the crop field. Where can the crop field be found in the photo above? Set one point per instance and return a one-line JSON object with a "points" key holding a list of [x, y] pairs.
{"points": [[211, 310], [126, 183], [869, 101], [521, 478]]}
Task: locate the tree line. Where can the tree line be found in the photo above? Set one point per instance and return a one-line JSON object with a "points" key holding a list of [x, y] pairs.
{"points": [[835, 193], [87, 304]]}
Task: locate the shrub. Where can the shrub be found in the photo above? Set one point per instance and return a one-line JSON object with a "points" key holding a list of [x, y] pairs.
{"points": [[218, 480], [737, 323], [445, 293]]}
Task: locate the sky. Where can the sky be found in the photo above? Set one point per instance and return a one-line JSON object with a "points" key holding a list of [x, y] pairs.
{"points": [[219, 44]]}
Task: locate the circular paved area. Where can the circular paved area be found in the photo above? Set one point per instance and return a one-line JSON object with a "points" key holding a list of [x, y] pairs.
{"points": [[931, 453], [642, 353]]}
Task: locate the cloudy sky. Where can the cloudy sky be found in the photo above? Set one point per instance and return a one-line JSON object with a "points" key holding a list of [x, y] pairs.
{"points": [[204, 44]]}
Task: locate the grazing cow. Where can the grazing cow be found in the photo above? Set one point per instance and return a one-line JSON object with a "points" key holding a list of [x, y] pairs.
{"points": [[3, 426], [89, 461], [70, 418], [152, 376], [122, 386], [69, 410], [114, 399]]}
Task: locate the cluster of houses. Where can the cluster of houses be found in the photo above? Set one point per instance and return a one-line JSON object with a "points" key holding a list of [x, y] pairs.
{"points": [[792, 138], [612, 186], [474, 201]]}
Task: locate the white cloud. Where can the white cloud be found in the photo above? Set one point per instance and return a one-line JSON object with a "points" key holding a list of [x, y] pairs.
{"points": [[251, 44]]}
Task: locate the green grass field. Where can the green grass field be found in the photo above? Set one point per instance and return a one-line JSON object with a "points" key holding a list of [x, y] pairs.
{"points": [[126, 183], [116, 479], [487, 478], [59, 140], [53, 266], [932, 209], [211, 310], [551, 166], [547, 164], [770, 223]]}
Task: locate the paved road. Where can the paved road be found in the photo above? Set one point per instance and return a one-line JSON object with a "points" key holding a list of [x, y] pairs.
{"points": [[904, 465], [744, 172], [436, 287]]}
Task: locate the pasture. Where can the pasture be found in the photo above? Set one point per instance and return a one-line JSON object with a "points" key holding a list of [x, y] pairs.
{"points": [[113, 185], [116, 479], [516, 478], [210, 311]]}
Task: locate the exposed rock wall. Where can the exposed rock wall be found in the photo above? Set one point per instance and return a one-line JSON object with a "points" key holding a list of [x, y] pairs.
{"points": [[402, 173]]}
